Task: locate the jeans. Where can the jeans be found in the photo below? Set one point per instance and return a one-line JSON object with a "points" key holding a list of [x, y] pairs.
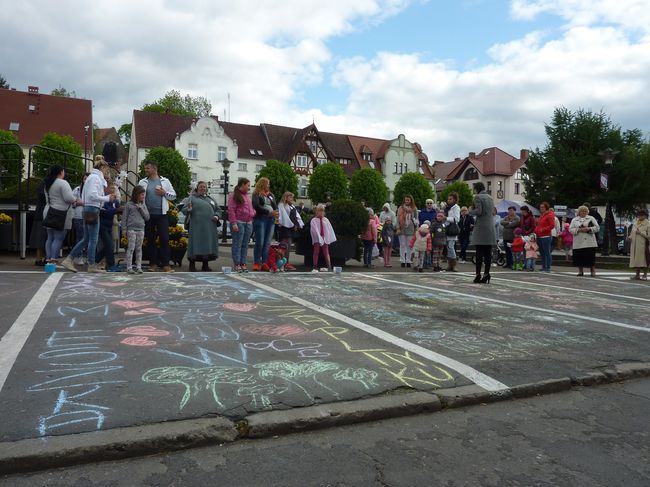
{"points": [[240, 241], [451, 249], [54, 243], [509, 260], [464, 243], [108, 248], [263, 234], [158, 225], [78, 225], [368, 245], [545, 251], [91, 233]]}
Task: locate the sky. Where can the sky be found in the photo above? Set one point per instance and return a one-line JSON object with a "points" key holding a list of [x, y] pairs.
{"points": [[454, 75]]}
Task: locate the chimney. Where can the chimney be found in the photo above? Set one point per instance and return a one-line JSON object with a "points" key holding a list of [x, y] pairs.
{"points": [[523, 154], [472, 154], [32, 89], [456, 159]]}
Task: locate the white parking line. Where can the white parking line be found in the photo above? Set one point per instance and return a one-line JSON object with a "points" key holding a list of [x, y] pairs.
{"points": [[479, 378], [510, 303], [622, 296], [14, 340]]}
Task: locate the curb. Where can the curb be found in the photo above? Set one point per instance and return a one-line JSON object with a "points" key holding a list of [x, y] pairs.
{"points": [[65, 451]]}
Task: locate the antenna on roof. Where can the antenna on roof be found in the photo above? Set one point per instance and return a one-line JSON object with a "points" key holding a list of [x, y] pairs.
{"points": [[229, 112], [313, 119]]}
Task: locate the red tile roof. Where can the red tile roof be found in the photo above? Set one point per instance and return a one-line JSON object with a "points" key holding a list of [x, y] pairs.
{"points": [[65, 116], [490, 162]]}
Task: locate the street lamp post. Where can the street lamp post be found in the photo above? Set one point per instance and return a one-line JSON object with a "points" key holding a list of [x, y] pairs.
{"points": [[86, 127], [226, 180], [608, 158]]}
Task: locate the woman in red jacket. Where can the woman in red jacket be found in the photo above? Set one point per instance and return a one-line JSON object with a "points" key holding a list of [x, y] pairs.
{"points": [[545, 226]]}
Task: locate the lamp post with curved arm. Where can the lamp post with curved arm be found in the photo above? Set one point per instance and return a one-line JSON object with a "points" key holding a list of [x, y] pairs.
{"points": [[226, 181]]}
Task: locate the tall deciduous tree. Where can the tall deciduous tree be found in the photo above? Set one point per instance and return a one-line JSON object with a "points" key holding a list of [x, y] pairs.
{"points": [[416, 185], [61, 91], [125, 134], [4, 83], [69, 156], [369, 185], [281, 176], [174, 102], [567, 171], [465, 195], [11, 158], [173, 166], [327, 178]]}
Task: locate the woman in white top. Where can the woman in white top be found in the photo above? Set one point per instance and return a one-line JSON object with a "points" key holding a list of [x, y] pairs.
{"points": [[584, 229], [58, 195], [93, 198], [453, 216]]}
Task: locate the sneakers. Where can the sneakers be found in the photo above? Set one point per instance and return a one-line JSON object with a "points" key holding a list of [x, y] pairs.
{"points": [[244, 268], [167, 268], [256, 267], [314, 271], [130, 270], [289, 267], [139, 270], [68, 264], [114, 268], [238, 269], [323, 269], [265, 267], [153, 268], [95, 269]]}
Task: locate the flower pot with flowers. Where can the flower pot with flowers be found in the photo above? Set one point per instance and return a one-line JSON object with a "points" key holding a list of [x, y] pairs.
{"points": [[5, 231], [177, 244]]}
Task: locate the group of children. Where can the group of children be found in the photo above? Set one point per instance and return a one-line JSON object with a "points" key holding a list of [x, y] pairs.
{"points": [[525, 250]]}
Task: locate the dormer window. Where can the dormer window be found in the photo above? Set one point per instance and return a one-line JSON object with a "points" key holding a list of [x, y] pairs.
{"points": [[471, 174]]}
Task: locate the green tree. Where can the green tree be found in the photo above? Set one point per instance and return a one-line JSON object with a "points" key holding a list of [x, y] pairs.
{"points": [[125, 134], [327, 178], [4, 83], [416, 185], [349, 218], [11, 159], [61, 91], [567, 171], [174, 102], [465, 194], [281, 176], [69, 156], [369, 185], [173, 166]]}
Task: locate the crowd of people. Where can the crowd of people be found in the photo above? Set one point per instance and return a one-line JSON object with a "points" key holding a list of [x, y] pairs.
{"points": [[423, 238]]}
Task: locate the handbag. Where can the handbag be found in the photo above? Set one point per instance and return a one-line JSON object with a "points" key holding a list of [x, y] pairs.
{"points": [[90, 218], [453, 229], [54, 219]]}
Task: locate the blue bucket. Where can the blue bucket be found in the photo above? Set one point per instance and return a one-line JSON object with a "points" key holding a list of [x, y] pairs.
{"points": [[50, 267]]}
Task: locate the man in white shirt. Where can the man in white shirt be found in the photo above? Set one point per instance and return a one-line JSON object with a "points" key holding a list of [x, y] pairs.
{"points": [[159, 191]]}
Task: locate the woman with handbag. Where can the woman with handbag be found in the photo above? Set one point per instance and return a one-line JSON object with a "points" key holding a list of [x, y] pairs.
{"points": [[639, 248], [57, 217], [203, 240], [452, 212], [93, 198]]}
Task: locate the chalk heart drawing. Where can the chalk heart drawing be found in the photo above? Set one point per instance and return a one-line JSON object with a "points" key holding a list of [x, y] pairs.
{"points": [[144, 330], [244, 307], [144, 311], [138, 341], [111, 284]]}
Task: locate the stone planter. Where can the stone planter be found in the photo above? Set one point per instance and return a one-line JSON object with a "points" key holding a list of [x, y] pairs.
{"points": [[6, 237]]}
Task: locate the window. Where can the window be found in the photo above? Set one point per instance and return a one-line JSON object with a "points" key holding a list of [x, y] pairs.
{"points": [[313, 146], [221, 153], [251, 152], [517, 188], [259, 152], [14, 126], [471, 174], [321, 160], [500, 186], [192, 151], [242, 167], [259, 167], [302, 188], [301, 160], [489, 187], [366, 156], [519, 174], [195, 177]]}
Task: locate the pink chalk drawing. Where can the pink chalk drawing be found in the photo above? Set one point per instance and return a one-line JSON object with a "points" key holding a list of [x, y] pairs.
{"points": [[144, 311], [111, 284], [245, 307], [144, 330], [124, 303], [138, 341], [274, 330]]}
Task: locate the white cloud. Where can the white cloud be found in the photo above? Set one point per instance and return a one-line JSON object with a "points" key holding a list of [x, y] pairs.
{"points": [[592, 64]]}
